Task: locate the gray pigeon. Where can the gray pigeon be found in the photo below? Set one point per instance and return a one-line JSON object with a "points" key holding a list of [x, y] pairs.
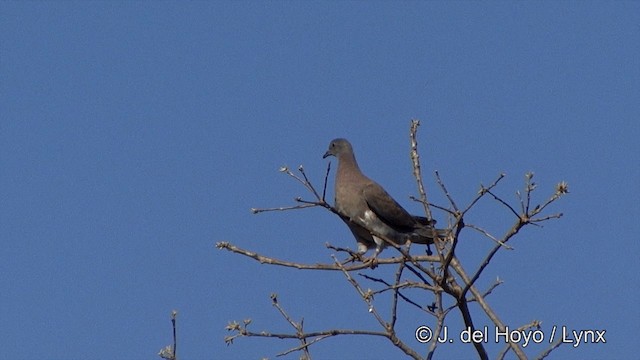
{"points": [[368, 210]]}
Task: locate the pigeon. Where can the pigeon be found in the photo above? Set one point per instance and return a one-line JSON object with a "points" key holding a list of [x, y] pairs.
{"points": [[369, 211]]}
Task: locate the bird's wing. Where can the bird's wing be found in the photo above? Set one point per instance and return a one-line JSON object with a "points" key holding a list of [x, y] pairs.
{"points": [[386, 208]]}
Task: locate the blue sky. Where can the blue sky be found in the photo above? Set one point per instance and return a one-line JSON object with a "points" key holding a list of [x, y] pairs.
{"points": [[136, 135]]}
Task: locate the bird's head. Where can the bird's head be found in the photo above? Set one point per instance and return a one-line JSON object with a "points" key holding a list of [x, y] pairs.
{"points": [[338, 147]]}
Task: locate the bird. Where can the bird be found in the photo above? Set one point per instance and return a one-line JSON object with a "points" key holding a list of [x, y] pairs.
{"points": [[369, 211]]}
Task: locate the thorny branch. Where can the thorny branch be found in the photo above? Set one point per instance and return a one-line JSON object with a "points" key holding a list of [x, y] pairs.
{"points": [[441, 274]]}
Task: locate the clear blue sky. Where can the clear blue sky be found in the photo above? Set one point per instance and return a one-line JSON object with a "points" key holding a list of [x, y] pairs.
{"points": [[136, 135]]}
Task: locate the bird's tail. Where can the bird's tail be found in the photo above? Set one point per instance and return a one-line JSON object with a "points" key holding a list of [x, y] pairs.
{"points": [[426, 233]]}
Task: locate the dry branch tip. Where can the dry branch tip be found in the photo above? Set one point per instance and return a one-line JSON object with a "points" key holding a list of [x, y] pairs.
{"points": [[562, 188]]}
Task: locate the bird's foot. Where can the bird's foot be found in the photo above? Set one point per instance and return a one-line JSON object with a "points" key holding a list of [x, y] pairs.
{"points": [[372, 261], [353, 257]]}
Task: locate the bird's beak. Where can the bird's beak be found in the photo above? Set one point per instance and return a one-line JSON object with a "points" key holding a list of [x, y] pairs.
{"points": [[327, 154]]}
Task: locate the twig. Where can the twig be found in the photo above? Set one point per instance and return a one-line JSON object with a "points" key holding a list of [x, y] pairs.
{"points": [[304, 182], [333, 332], [514, 230], [445, 191], [366, 295], [308, 183], [368, 299], [561, 189], [522, 220], [283, 208], [530, 186], [554, 346], [272, 261], [396, 293], [505, 350], [297, 326], [463, 306], [483, 192], [432, 205], [504, 203], [168, 352], [451, 253], [415, 162], [404, 285], [418, 274], [417, 174], [440, 316], [483, 304], [485, 233], [545, 218], [174, 314], [305, 345], [326, 178], [497, 283]]}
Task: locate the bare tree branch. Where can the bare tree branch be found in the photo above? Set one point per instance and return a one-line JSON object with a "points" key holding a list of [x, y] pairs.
{"points": [[415, 161], [272, 261], [482, 192], [486, 233], [553, 346], [484, 305], [415, 273], [446, 192], [304, 346]]}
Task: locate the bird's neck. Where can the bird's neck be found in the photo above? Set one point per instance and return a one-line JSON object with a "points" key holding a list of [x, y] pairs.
{"points": [[348, 166]]}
